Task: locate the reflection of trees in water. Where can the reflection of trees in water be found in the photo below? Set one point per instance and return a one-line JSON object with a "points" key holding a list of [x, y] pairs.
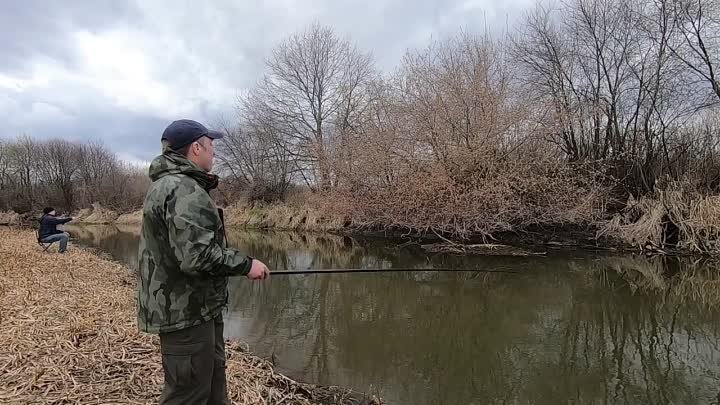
{"points": [[287, 250], [601, 330], [629, 337], [358, 323], [686, 280], [548, 337], [629, 348], [639, 320], [121, 242]]}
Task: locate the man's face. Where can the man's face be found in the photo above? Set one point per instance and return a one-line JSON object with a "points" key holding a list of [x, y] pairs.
{"points": [[203, 153]]}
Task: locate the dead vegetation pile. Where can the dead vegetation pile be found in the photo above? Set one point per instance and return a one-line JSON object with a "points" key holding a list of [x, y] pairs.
{"points": [[674, 218], [283, 217], [133, 218], [10, 218], [82, 214], [100, 215]]}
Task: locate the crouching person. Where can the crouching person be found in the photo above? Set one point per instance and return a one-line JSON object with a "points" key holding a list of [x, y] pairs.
{"points": [[49, 233]]}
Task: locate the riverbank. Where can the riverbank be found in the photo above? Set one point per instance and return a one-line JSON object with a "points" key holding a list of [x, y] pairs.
{"points": [[67, 323], [276, 216], [675, 221], [390, 330]]}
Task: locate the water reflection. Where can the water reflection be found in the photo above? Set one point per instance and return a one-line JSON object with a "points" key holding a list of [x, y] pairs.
{"points": [[120, 241], [596, 330]]}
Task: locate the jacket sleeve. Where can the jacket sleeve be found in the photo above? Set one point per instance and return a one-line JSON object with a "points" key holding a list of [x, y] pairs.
{"points": [[192, 222], [55, 221]]}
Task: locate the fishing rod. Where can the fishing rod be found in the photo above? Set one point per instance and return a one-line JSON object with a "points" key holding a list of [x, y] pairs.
{"points": [[386, 270]]}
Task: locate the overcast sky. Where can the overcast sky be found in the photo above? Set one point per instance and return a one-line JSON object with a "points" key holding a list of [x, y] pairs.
{"points": [[120, 72]]}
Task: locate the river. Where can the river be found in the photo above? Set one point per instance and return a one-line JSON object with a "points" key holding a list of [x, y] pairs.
{"points": [[570, 327]]}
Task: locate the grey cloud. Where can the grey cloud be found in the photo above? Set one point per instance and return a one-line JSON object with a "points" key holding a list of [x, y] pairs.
{"points": [[205, 53], [40, 29], [133, 134]]}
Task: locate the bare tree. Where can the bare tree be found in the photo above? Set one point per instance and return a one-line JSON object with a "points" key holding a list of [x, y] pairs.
{"points": [[457, 95], [610, 89], [254, 160], [314, 92], [4, 163], [448, 146], [133, 181], [698, 22], [58, 163], [22, 156], [96, 164], [4, 175], [66, 175]]}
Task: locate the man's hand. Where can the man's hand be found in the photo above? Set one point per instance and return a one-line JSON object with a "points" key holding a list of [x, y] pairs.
{"points": [[258, 271]]}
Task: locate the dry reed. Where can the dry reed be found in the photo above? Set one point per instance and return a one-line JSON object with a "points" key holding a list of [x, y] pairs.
{"points": [[284, 217], [100, 215], [10, 218], [67, 323], [132, 218], [696, 216]]}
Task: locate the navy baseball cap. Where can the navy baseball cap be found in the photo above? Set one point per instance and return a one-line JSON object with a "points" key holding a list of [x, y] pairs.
{"points": [[183, 132]]}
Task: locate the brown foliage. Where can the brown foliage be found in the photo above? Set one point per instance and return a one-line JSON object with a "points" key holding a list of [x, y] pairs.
{"points": [[453, 151]]}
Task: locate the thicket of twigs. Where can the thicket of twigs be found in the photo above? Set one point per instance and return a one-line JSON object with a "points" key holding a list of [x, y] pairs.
{"points": [[579, 108]]}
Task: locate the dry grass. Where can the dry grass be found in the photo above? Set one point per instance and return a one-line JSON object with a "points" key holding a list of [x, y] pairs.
{"points": [[132, 218], [100, 215], [67, 323], [697, 217], [701, 227], [647, 228], [82, 214], [10, 218], [473, 196], [284, 217]]}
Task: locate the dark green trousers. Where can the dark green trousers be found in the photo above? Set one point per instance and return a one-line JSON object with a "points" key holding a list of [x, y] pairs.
{"points": [[194, 365]]}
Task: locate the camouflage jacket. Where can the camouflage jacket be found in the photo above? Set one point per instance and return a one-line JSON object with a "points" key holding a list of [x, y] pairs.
{"points": [[183, 263]]}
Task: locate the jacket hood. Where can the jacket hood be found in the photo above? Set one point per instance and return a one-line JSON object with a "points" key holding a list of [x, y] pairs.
{"points": [[171, 162]]}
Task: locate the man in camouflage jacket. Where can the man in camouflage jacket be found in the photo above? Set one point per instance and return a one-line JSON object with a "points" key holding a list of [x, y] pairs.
{"points": [[184, 267]]}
